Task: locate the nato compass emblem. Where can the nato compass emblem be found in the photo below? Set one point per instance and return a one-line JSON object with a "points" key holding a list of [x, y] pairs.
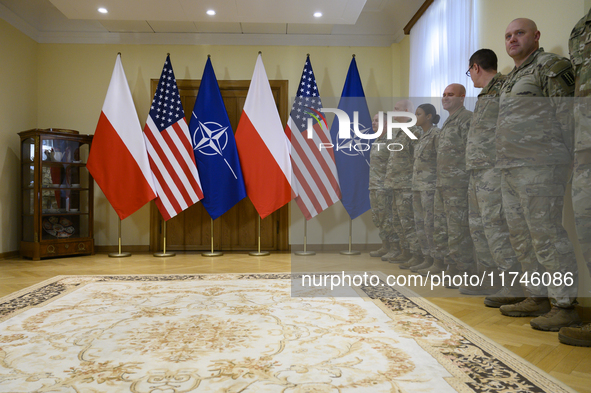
{"points": [[355, 146], [211, 139]]}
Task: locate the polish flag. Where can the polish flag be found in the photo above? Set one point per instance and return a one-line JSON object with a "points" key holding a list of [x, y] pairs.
{"points": [[263, 147], [118, 160]]}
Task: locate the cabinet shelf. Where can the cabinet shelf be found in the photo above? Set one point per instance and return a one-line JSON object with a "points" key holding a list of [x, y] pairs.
{"points": [[61, 164], [48, 229]]}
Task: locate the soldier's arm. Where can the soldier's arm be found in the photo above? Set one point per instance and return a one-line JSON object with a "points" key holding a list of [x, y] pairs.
{"points": [[560, 88], [464, 128], [389, 166]]}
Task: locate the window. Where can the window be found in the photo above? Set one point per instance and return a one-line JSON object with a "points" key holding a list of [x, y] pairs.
{"points": [[441, 43]]}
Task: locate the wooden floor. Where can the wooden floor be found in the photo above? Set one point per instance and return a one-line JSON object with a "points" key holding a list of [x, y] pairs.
{"points": [[571, 365]]}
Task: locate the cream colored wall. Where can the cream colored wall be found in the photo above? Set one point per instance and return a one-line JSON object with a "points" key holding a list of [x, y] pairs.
{"points": [[18, 111], [401, 67], [555, 21], [73, 80]]}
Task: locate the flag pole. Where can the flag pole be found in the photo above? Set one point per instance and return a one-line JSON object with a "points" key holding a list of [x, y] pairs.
{"points": [[350, 251], [212, 253], [119, 254], [164, 253], [259, 253], [305, 252]]}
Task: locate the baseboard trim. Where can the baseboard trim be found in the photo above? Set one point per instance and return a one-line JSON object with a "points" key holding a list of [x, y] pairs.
{"points": [[9, 255], [293, 247], [108, 249], [335, 247]]}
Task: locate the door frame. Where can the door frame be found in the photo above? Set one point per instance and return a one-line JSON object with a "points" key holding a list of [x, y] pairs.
{"points": [[156, 238]]}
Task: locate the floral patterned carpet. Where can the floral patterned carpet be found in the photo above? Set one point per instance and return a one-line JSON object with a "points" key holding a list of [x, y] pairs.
{"points": [[242, 333]]}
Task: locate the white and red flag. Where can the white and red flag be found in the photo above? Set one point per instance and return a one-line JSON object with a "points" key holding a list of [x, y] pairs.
{"points": [[118, 160], [313, 163], [170, 150], [263, 147]]}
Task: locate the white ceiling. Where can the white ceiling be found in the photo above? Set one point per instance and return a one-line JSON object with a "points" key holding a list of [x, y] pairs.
{"points": [[237, 22]]}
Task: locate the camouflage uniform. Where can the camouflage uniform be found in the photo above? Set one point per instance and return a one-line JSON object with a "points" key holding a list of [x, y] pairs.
{"points": [[488, 227], [452, 231], [380, 198], [399, 179], [534, 141], [424, 177], [580, 54]]}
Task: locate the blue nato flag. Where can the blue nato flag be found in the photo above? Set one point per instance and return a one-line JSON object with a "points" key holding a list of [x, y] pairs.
{"points": [[214, 148], [352, 154]]}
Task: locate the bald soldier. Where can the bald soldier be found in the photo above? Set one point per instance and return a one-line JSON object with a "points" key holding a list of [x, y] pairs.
{"points": [[580, 55], [452, 240], [534, 144]]}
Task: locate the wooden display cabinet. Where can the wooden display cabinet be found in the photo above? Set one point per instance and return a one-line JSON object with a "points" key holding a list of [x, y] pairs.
{"points": [[57, 194]]}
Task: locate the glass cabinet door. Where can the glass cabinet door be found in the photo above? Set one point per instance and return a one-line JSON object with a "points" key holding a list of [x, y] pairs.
{"points": [[64, 189], [28, 188]]}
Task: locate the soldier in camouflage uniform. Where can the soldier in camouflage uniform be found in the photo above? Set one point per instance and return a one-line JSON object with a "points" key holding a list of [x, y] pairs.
{"points": [[452, 232], [381, 198], [399, 179], [488, 227], [423, 185], [580, 55], [534, 145]]}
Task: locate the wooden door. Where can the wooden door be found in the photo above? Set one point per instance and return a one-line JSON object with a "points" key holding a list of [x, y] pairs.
{"points": [[237, 229]]}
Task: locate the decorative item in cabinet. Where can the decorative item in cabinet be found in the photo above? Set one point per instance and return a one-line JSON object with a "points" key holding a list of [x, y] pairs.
{"points": [[57, 194]]}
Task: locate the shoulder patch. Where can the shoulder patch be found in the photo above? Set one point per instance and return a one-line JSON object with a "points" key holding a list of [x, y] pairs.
{"points": [[559, 66], [568, 77]]}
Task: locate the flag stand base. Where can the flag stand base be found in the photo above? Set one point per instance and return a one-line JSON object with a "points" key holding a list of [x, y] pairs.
{"points": [[259, 253], [350, 252], [119, 254], [304, 253], [212, 254], [164, 254]]}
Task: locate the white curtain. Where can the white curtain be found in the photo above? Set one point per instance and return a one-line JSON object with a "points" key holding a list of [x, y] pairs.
{"points": [[441, 43]]}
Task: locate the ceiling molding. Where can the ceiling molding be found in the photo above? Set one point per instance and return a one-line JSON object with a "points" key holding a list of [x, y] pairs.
{"points": [[18, 23], [379, 24], [217, 39], [417, 16]]}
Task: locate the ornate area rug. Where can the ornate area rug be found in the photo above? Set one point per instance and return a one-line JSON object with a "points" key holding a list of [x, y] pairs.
{"points": [[242, 333]]}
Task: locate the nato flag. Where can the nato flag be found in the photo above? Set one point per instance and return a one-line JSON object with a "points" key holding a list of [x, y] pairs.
{"points": [[352, 153], [214, 147]]}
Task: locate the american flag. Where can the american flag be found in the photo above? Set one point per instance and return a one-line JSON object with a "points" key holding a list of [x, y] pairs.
{"points": [[314, 169], [170, 150]]}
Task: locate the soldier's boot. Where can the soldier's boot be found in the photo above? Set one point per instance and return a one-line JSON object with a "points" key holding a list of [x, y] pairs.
{"points": [[393, 253], [530, 307], [427, 263], [381, 251], [579, 336], [451, 271], [436, 268], [507, 295], [416, 262], [488, 286], [557, 318], [403, 257], [416, 259]]}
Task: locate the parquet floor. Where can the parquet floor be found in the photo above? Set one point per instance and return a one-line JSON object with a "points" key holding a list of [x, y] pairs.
{"points": [[571, 365]]}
